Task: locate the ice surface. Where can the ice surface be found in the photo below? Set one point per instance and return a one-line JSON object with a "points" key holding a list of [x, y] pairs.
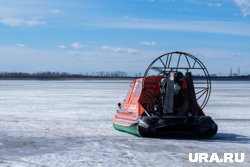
{"points": [[69, 123]]}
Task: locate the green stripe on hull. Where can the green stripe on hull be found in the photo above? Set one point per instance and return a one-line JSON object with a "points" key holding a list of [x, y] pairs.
{"points": [[133, 129]]}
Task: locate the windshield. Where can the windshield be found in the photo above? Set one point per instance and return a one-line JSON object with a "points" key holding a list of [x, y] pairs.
{"points": [[129, 91]]}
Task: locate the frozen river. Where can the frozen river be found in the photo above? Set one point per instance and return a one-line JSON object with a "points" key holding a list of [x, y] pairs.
{"points": [[69, 123]]}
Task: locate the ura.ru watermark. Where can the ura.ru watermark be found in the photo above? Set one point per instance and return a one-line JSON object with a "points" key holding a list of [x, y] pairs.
{"points": [[215, 157]]}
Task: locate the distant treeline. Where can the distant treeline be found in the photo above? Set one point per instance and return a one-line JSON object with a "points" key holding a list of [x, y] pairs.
{"points": [[96, 75], [62, 75], [231, 78]]}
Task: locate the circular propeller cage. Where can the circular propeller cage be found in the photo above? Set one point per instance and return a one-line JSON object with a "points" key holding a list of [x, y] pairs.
{"points": [[183, 62]]}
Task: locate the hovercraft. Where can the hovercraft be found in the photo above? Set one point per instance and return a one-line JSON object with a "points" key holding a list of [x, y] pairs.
{"points": [[168, 100]]}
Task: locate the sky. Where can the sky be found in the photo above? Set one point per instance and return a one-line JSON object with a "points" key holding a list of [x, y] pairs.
{"points": [[84, 36]]}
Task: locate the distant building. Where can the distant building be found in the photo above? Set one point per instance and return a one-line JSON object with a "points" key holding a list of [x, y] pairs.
{"points": [[213, 75], [231, 72]]}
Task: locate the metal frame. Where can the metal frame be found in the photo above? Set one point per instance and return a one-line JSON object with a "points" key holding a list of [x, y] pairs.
{"points": [[201, 91]]}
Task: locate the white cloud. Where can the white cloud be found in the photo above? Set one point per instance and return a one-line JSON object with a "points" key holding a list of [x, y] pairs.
{"points": [[148, 43], [56, 11], [221, 27], [217, 4], [27, 59], [62, 46], [119, 49], [13, 22], [15, 59], [74, 53], [244, 6], [20, 45], [215, 53], [76, 45]]}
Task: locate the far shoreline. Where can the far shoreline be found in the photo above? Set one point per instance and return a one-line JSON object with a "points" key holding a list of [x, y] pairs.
{"points": [[221, 78], [115, 75]]}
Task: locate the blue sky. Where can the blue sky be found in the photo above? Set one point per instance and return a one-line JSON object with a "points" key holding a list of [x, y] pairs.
{"points": [[81, 36]]}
